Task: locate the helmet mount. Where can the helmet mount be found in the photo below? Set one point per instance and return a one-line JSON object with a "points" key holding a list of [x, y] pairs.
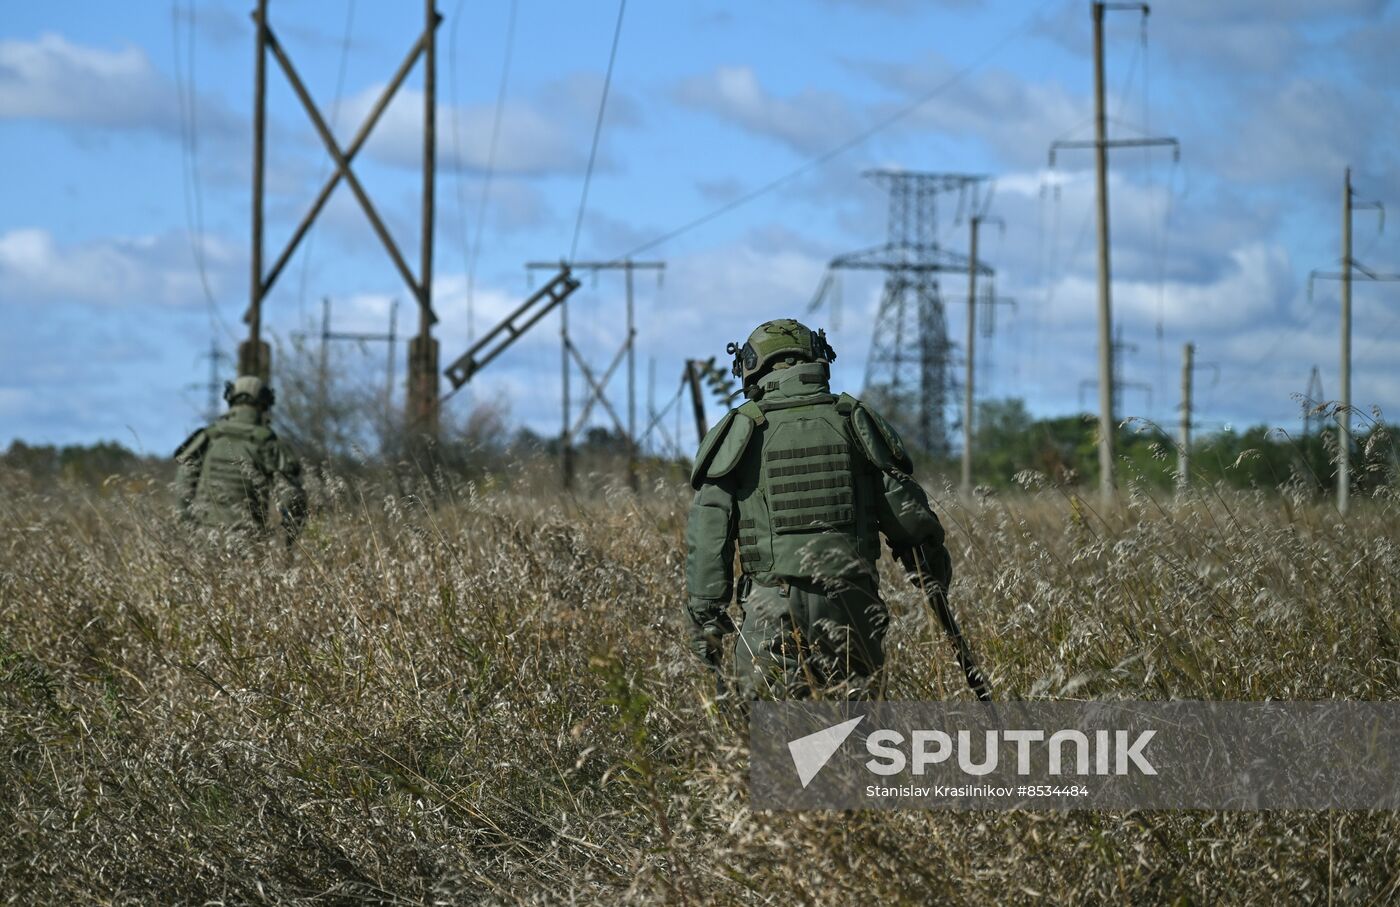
{"points": [[775, 342]]}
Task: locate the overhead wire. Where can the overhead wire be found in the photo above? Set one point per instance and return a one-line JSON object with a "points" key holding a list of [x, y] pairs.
{"points": [[484, 200], [190, 182], [849, 144], [597, 130]]}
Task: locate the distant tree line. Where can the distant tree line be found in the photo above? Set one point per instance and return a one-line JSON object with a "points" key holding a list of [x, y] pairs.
{"points": [[335, 428], [1009, 441]]}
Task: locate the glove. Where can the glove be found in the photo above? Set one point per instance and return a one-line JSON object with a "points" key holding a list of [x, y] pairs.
{"points": [[707, 635]]}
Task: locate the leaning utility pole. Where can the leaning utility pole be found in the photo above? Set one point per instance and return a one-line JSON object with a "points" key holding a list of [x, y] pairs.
{"points": [[693, 369], [253, 357], [1348, 263], [1101, 144]]}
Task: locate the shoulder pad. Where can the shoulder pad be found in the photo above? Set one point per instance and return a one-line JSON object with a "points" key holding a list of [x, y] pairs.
{"points": [[723, 447], [879, 440], [192, 445]]}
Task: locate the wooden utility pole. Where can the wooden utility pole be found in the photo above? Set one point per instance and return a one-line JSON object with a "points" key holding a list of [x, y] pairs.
{"points": [[693, 369], [1349, 206], [1183, 454], [253, 354], [423, 349], [1101, 144]]}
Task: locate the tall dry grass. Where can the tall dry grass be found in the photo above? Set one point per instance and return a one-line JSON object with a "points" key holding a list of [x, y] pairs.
{"points": [[487, 699]]}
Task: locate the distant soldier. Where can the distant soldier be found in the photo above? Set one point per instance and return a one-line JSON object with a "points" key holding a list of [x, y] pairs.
{"points": [[804, 482], [231, 471]]}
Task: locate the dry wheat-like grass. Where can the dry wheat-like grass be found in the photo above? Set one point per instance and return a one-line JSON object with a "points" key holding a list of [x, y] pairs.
{"points": [[487, 699]]}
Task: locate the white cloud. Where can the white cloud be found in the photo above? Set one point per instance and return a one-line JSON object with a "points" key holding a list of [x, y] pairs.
{"points": [[1308, 129], [121, 271], [807, 122], [548, 135], [55, 80]]}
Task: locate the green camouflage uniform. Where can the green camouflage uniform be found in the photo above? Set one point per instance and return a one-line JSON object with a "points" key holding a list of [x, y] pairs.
{"points": [[803, 482], [230, 472]]}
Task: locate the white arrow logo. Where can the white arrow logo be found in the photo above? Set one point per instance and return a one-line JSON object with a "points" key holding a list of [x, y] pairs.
{"points": [[811, 753]]}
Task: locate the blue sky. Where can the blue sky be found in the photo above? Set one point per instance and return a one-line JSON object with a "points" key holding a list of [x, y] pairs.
{"points": [[115, 190]]}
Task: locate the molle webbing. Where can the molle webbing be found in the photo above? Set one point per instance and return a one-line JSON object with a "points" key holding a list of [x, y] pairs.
{"points": [[809, 467]]}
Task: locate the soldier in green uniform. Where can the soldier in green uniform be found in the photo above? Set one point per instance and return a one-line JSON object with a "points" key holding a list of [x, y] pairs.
{"points": [[804, 483], [231, 472]]}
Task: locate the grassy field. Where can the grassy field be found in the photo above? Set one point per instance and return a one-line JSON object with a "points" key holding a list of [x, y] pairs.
{"points": [[488, 699]]}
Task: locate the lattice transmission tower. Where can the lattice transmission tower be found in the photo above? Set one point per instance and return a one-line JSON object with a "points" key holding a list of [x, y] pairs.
{"points": [[908, 375]]}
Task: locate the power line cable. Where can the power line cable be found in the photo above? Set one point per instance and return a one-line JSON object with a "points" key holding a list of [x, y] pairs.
{"points": [[479, 231], [597, 130], [189, 159], [855, 141]]}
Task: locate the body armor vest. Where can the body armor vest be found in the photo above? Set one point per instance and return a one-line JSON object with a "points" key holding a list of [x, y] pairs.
{"points": [[233, 481], [806, 497]]}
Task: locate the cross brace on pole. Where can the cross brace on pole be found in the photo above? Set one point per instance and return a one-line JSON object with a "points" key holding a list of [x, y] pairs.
{"points": [[596, 390], [498, 339], [423, 391]]}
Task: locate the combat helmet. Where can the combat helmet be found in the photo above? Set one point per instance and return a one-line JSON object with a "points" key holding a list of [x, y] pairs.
{"points": [[250, 390], [773, 343]]}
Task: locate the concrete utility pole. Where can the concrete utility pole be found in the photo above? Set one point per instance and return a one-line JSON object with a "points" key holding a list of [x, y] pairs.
{"points": [[1349, 205], [1107, 428], [968, 394], [1183, 454], [1120, 384], [974, 266], [1101, 144], [254, 357]]}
